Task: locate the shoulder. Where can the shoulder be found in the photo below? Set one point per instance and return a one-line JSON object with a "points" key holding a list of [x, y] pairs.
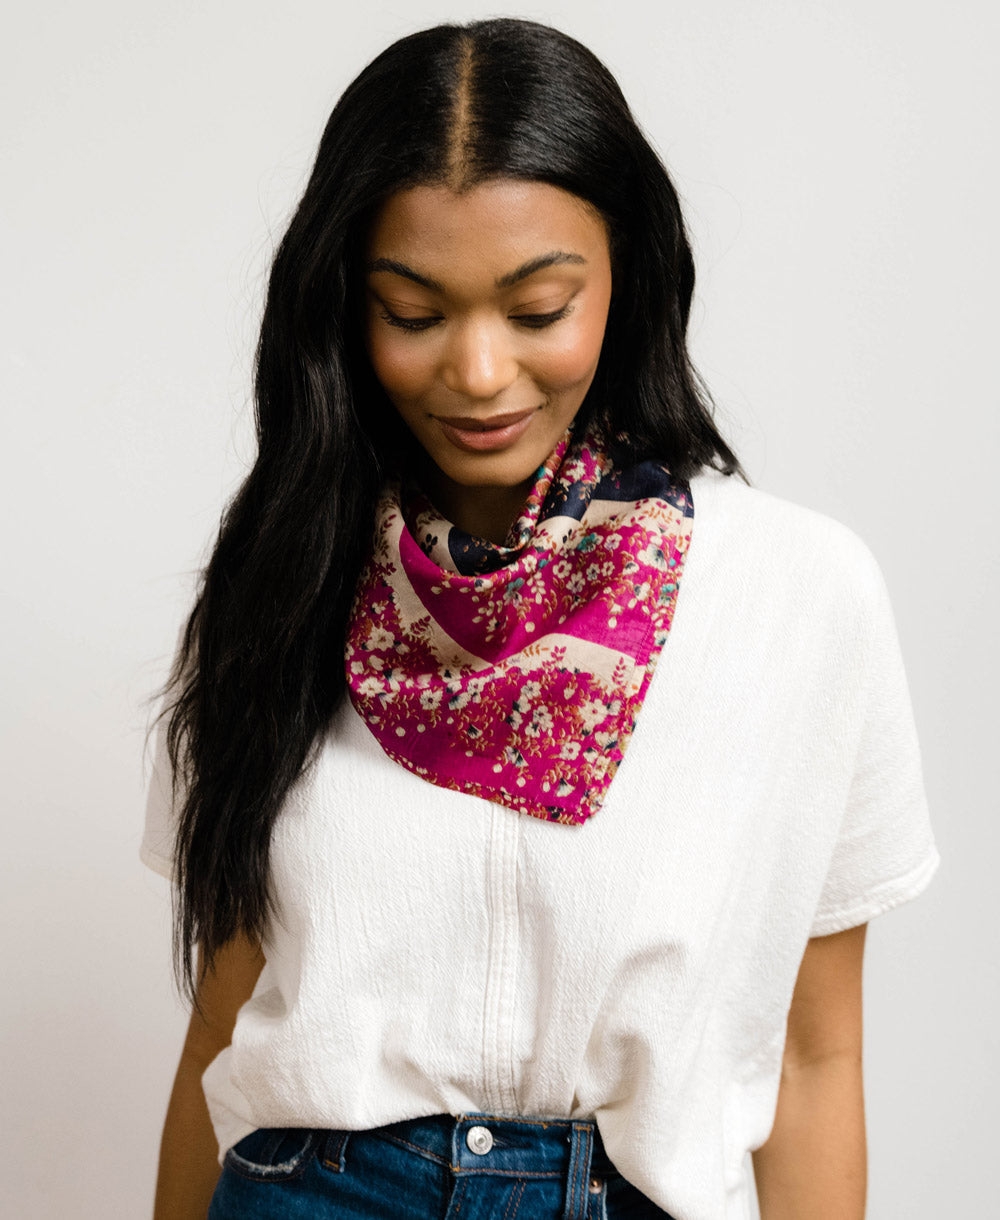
{"points": [[739, 522], [781, 561]]}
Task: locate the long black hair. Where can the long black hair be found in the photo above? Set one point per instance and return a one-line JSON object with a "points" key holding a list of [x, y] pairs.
{"points": [[260, 668]]}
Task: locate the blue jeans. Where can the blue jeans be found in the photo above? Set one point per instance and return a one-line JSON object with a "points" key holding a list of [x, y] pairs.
{"points": [[469, 1167]]}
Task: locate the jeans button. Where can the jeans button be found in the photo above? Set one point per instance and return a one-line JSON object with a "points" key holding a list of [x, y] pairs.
{"points": [[480, 1140], [596, 1186]]}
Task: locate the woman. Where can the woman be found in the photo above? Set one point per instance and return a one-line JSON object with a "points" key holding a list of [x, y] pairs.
{"points": [[535, 777]]}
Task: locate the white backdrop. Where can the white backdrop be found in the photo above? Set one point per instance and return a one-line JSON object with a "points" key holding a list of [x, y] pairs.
{"points": [[835, 162]]}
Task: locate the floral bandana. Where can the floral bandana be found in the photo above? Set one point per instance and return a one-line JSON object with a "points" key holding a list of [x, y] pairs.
{"points": [[516, 672]]}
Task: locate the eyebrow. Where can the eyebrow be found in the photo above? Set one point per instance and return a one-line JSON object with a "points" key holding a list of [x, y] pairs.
{"points": [[552, 259]]}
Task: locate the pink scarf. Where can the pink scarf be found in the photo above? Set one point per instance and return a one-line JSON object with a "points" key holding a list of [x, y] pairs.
{"points": [[516, 672]]}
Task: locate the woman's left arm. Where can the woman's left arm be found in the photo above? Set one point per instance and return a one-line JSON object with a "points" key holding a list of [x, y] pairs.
{"points": [[814, 1164]]}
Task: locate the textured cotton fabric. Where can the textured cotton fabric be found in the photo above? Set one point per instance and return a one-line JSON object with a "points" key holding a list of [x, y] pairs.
{"points": [[439, 953], [516, 672]]}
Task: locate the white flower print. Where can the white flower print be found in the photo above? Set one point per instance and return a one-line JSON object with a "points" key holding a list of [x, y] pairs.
{"points": [[591, 714], [641, 594], [379, 638]]}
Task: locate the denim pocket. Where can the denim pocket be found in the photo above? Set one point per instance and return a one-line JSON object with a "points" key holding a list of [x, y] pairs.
{"points": [[620, 1200], [273, 1154]]}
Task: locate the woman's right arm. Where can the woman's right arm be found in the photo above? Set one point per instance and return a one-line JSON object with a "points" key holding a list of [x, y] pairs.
{"points": [[189, 1166]]}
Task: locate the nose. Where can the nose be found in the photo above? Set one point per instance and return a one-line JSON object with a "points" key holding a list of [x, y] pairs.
{"points": [[479, 361]]}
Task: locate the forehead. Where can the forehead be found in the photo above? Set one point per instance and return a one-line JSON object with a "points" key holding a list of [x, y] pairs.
{"points": [[491, 228]]}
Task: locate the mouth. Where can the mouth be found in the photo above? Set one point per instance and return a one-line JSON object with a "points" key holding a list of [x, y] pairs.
{"points": [[486, 435]]}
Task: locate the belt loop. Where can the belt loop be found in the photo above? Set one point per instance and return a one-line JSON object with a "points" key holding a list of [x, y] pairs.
{"points": [[332, 1154], [578, 1175]]}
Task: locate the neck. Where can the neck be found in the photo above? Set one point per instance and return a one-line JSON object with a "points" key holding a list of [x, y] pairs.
{"points": [[485, 512]]}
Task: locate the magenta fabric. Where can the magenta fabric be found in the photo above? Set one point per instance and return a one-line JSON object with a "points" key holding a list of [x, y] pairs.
{"points": [[516, 672]]}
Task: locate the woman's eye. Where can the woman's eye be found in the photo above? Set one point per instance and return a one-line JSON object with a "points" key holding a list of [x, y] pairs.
{"points": [[408, 323], [535, 321]]}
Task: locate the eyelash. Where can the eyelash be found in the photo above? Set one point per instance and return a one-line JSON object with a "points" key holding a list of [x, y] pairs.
{"points": [[533, 321]]}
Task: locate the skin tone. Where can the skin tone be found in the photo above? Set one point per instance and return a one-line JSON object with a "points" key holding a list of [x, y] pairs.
{"points": [[814, 1163], [485, 313], [189, 1168]]}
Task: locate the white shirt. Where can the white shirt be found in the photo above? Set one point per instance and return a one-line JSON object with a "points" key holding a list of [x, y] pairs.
{"points": [[438, 953]]}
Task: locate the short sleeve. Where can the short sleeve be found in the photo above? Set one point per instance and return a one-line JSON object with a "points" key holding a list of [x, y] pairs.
{"points": [[157, 847], [885, 852]]}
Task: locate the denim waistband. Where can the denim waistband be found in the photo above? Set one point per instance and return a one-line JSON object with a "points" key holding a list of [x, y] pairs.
{"points": [[505, 1144]]}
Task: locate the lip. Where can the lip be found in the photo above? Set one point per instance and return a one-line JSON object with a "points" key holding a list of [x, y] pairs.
{"points": [[486, 435]]}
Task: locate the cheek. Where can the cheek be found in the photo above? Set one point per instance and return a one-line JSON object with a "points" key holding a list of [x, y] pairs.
{"points": [[398, 362], [564, 367]]}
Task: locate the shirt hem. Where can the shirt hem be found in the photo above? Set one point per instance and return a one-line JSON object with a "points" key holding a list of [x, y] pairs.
{"points": [[232, 1138], [894, 894], [159, 864]]}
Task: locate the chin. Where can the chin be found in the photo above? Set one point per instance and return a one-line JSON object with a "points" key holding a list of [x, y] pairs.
{"points": [[499, 470]]}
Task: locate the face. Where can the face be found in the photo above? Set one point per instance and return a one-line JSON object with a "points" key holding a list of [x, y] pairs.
{"points": [[485, 315]]}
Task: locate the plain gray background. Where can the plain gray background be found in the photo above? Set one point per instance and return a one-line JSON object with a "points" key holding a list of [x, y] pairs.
{"points": [[835, 163]]}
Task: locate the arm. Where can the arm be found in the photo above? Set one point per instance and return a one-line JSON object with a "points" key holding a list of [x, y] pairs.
{"points": [[189, 1167], [814, 1164]]}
